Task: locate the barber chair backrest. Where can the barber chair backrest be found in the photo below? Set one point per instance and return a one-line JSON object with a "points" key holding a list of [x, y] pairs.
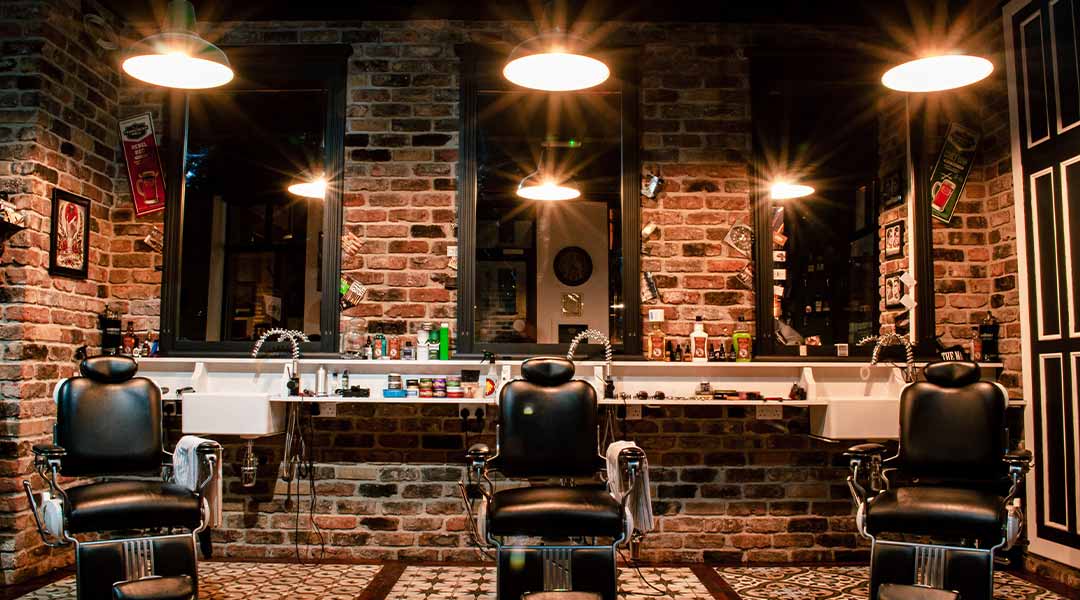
{"points": [[952, 426], [548, 423], [108, 420]]}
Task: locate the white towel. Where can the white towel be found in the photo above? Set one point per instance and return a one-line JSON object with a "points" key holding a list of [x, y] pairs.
{"points": [[186, 467], [640, 504]]}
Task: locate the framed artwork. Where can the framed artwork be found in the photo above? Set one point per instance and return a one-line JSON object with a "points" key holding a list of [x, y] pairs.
{"points": [[894, 240], [893, 188], [69, 235], [894, 290]]}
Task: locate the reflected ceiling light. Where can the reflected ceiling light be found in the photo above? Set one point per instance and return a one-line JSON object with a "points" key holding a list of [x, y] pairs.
{"points": [[547, 190], [551, 62], [315, 188], [937, 73], [177, 57], [783, 190]]}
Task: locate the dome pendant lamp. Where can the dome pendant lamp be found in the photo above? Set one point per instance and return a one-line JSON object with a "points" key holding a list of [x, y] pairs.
{"points": [[178, 57], [937, 73], [550, 62]]}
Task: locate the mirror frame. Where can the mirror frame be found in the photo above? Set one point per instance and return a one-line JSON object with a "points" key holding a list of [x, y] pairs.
{"points": [[328, 62], [476, 65]]}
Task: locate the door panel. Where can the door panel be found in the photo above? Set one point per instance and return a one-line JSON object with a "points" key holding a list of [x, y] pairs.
{"points": [[1045, 76]]}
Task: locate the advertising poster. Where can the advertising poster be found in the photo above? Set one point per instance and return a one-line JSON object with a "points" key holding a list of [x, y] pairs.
{"points": [[951, 170], [143, 164]]}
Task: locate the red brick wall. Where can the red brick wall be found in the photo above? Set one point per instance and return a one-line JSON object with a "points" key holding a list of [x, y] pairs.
{"points": [[728, 487], [58, 105]]}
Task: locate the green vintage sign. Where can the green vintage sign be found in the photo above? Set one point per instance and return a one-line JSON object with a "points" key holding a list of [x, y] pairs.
{"points": [[951, 170]]}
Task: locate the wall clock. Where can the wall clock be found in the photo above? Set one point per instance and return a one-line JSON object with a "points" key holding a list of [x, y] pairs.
{"points": [[573, 266]]}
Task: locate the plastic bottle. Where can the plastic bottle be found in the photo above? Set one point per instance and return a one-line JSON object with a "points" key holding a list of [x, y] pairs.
{"points": [[742, 342], [433, 345], [444, 341], [422, 337], [699, 342], [490, 384]]}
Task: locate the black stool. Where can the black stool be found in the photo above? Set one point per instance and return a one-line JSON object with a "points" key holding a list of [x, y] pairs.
{"points": [[156, 588], [892, 591]]}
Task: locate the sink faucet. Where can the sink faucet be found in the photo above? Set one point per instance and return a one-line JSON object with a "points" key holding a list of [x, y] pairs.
{"points": [[293, 336], [892, 339]]}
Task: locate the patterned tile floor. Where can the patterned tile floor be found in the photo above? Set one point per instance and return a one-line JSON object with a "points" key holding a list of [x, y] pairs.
{"points": [[478, 583], [843, 583], [274, 581], [261, 581]]}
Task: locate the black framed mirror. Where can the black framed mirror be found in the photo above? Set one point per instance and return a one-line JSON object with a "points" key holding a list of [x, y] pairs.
{"points": [[533, 273]]}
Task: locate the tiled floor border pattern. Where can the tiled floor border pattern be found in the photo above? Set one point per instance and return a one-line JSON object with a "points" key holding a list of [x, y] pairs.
{"points": [[399, 581]]}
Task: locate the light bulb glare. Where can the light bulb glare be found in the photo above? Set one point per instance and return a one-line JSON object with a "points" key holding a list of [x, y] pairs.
{"points": [[937, 73]]}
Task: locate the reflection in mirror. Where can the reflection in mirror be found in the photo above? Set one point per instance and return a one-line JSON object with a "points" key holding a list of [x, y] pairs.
{"points": [[816, 142], [548, 268], [251, 249]]}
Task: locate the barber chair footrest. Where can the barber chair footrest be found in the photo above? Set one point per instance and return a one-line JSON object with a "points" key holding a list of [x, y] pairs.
{"points": [[561, 596], [892, 591], [180, 587]]}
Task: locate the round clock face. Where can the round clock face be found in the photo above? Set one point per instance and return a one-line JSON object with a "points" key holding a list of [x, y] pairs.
{"points": [[573, 266]]}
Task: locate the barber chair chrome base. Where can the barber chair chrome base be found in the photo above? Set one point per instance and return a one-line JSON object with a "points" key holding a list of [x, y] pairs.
{"points": [[549, 429], [951, 486], [144, 530]]}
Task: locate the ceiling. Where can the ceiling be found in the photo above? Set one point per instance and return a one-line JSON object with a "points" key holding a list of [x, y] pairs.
{"points": [[820, 12]]}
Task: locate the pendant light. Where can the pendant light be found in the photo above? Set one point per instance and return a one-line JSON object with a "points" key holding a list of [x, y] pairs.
{"points": [[546, 188], [553, 62], [178, 57], [937, 73], [316, 188], [785, 190]]}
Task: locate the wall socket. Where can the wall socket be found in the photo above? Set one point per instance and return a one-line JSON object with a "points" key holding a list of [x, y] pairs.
{"points": [[328, 409], [767, 412], [633, 412]]}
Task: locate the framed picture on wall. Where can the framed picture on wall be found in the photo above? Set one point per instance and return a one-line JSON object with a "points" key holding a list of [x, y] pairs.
{"points": [[894, 240], [893, 189], [69, 235], [894, 290]]}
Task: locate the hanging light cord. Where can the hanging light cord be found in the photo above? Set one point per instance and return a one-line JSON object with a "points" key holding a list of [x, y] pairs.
{"points": [[539, 163]]}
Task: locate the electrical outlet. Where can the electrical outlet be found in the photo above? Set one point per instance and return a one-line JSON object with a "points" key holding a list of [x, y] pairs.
{"points": [[633, 412], [328, 409], [767, 412], [451, 251]]}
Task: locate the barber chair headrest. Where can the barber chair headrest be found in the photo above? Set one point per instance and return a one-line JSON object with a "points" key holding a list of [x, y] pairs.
{"points": [[547, 370], [109, 369], [953, 373]]}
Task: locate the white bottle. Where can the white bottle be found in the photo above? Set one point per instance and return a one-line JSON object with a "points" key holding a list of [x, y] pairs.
{"points": [[422, 342], [699, 342]]}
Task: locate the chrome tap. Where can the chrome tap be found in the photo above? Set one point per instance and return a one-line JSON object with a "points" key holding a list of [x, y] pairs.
{"points": [[293, 336], [892, 339]]}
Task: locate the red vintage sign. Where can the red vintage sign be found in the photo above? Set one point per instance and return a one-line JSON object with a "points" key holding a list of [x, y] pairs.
{"points": [[143, 164]]}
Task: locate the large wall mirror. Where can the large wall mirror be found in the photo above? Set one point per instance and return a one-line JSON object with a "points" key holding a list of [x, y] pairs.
{"points": [[245, 253], [835, 254], [549, 212]]}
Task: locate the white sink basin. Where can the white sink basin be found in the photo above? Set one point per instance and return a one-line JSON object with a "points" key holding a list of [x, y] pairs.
{"points": [[232, 413]]}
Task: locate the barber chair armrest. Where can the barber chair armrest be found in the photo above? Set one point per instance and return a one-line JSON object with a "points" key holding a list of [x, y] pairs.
{"points": [[49, 451], [1019, 462], [862, 451], [865, 460]]}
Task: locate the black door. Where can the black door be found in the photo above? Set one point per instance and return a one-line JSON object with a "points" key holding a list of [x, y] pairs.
{"points": [[1047, 111]]}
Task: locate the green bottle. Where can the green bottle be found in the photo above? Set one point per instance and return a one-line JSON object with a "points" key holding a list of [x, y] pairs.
{"points": [[742, 341], [444, 341]]}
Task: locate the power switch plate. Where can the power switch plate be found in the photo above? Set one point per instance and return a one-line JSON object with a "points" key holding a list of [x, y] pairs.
{"points": [[771, 413]]}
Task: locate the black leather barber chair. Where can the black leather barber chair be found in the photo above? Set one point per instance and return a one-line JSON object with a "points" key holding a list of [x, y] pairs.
{"points": [[560, 534], [939, 510], [142, 532]]}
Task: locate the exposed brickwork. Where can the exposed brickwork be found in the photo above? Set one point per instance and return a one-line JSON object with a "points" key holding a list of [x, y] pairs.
{"points": [[728, 488], [58, 105]]}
